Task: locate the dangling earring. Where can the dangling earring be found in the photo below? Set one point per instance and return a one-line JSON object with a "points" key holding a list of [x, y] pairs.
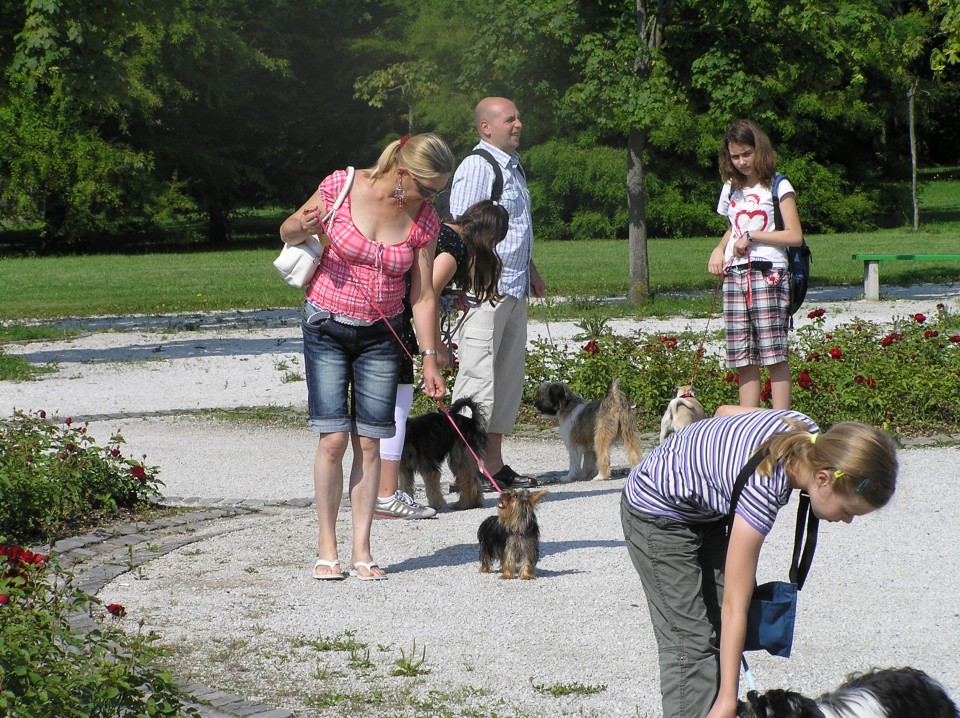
{"points": [[399, 195]]}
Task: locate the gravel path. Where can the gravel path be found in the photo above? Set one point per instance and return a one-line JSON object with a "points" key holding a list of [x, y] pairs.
{"points": [[243, 614]]}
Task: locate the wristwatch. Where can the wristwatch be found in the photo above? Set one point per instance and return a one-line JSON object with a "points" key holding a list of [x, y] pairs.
{"points": [[747, 235]]}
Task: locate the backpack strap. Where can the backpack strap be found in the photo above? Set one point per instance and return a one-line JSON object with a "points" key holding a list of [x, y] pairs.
{"points": [[777, 217], [807, 523], [497, 190]]}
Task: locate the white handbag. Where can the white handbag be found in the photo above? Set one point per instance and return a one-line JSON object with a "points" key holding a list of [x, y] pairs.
{"points": [[298, 263]]}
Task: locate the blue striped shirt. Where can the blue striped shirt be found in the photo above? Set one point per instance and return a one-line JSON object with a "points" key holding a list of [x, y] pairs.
{"points": [[472, 182], [690, 476]]}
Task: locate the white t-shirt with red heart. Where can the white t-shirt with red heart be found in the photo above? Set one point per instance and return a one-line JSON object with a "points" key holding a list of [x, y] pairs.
{"points": [[751, 209]]}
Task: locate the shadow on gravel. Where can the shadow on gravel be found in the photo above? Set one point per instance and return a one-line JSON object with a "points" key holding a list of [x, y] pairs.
{"points": [[168, 350]]}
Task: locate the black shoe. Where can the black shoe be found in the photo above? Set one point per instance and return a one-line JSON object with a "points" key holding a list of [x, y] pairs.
{"points": [[507, 478]]}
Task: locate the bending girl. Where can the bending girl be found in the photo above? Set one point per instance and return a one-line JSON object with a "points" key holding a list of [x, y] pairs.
{"points": [[674, 513]]}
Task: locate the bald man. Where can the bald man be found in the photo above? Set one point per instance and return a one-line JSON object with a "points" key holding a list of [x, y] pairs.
{"points": [[492, 340]]}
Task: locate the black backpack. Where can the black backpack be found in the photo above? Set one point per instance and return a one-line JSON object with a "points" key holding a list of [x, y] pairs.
{"points": [[798, 258], [443, 204]]}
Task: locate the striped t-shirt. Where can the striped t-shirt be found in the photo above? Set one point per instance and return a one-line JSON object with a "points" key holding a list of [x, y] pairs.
{"points": [[690, 476]]}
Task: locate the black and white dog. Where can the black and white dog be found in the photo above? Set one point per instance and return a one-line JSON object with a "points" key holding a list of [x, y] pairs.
{"points": [[880, 693]]}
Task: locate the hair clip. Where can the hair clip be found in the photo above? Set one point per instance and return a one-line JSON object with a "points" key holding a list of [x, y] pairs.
{"points": [[813, 438], [838, 474], [861, 486], [403, 140]]}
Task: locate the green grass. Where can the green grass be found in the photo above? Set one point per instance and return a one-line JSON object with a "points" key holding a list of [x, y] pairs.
{"points": [[196, 281]]}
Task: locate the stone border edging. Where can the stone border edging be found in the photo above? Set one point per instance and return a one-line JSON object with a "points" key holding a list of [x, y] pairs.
{"points": [[101, 556]]}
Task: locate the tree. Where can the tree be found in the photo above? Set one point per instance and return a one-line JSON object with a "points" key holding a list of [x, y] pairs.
{"points": [[75, 76]]}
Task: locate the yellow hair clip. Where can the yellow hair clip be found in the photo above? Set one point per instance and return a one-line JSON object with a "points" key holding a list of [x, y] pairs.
{"points": [[838, 474], [813, 438]]}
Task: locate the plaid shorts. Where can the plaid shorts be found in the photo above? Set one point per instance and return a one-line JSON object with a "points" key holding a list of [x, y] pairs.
{"points": [[756, 334]]}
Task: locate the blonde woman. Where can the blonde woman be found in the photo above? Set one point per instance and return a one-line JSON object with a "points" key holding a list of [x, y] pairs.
{"points": [[354, 304]]}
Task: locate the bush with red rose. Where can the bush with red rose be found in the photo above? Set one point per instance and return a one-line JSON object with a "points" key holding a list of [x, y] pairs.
{"points": [[50, 669], [55, 478], [903, 375]]}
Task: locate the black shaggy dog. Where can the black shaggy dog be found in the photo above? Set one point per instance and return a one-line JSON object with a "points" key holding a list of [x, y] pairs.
{"points": [[880, 693], [431, 439]]}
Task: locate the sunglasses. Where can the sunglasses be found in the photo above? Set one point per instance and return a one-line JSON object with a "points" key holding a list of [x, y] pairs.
{"points": [[426, 192]]}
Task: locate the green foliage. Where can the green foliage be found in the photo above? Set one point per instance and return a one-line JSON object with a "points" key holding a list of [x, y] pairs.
{"points": [[567, 689], [411, 664], [577, 193], [856, 371], [16, 368], [50, 670], [54, 478], [852, 372]]}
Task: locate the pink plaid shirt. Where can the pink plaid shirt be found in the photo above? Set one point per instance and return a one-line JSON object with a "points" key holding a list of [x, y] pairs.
{"points": [[359, 273]]}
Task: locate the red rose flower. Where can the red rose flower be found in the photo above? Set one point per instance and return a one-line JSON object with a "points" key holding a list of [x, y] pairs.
{"points": [[860, 379], [591, 347], [803, 380], [116, 610], [919, 318], [669, 342], [890, 339], [816, 313], [930, 334], [730, 377], [114, 452], [43, 414], [955, 338], [814, 356], [872, 383], [138, 472], [68, 421], [766, 392], [4, 598], [836, 353]]}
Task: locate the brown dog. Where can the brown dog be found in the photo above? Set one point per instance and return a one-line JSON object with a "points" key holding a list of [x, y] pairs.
{"points": [[589, 429]]}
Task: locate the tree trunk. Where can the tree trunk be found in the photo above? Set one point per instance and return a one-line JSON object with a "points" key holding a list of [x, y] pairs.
{"points": [[911, 94], [639, 291], [217, 229]]}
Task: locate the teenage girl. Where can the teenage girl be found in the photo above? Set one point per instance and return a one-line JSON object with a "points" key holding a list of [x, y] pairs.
{"points": [[465, 257], [674, 513], [354, 305], [752, 259]]}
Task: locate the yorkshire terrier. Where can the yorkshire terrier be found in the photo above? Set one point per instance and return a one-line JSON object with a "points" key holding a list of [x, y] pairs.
{"points": [[512, 536], [431, 439]]}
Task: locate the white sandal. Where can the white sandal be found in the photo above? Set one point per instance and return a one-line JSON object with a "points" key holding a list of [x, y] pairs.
{"points": [[369, 565], [336, 576]]}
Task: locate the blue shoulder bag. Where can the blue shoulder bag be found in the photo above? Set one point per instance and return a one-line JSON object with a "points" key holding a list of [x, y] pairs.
{"points": [[773, 607]]}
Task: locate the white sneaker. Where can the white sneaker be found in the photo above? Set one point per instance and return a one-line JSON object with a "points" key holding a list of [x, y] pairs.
{"points": [[402, 506]]}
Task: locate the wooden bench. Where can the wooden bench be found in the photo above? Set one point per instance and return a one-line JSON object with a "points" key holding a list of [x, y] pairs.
{"points": [[871, 268]]}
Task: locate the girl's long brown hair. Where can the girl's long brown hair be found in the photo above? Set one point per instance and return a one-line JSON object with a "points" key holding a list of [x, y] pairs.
{"points": [[483, 226]]}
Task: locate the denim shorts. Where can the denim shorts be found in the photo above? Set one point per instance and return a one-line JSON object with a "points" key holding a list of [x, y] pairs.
{"points": [[351, 375]]}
